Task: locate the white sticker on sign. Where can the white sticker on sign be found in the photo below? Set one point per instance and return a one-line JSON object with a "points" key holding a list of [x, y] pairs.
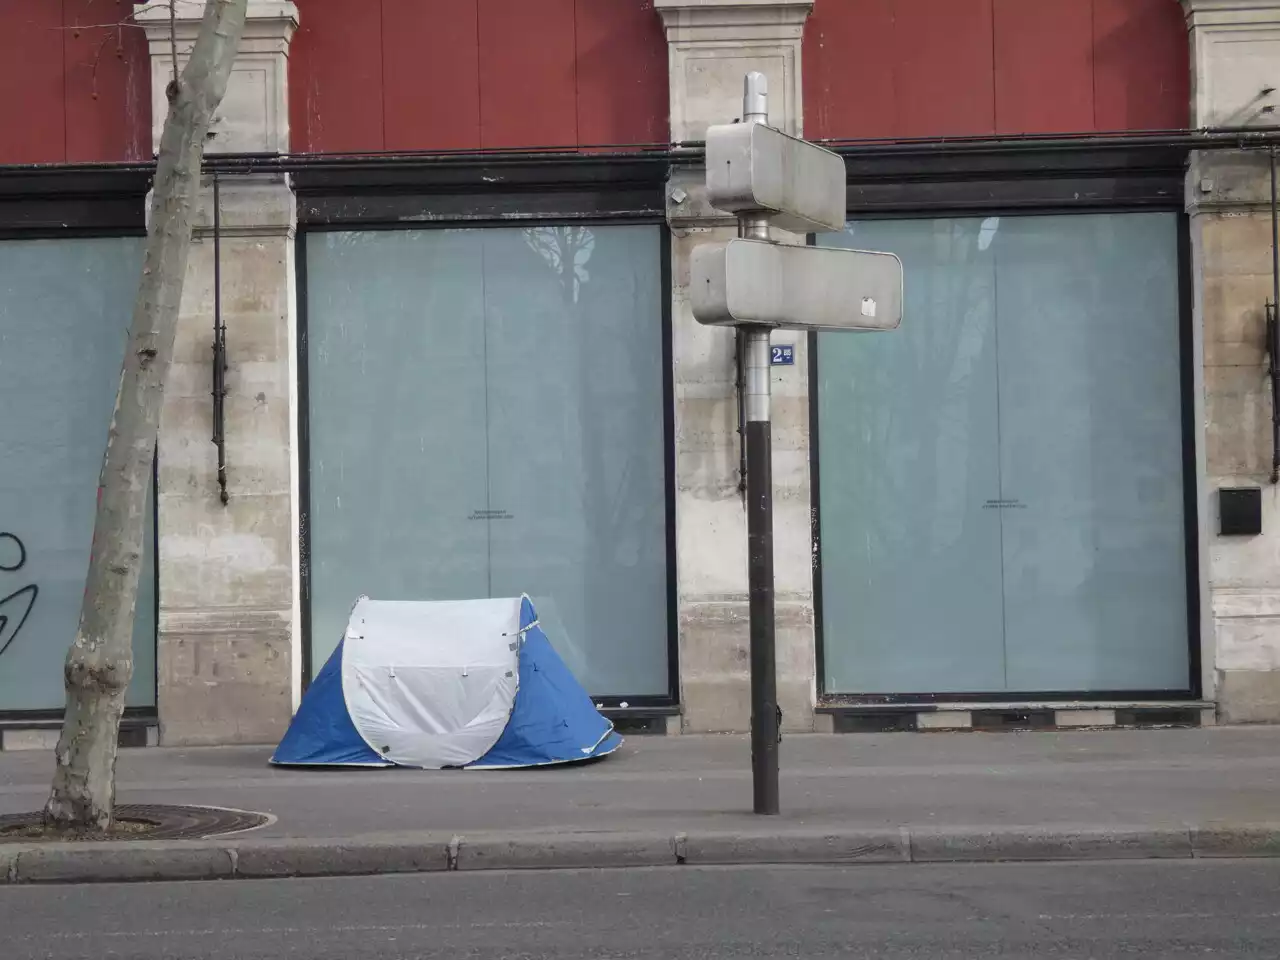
{"points": [[868, 307]]}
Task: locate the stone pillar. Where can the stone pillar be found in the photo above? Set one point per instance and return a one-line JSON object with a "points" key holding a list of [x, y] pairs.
{"points": [[1235, 52], [228, 574], [712, 45]]}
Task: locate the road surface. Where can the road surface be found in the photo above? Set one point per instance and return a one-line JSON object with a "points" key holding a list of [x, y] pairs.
{"points": [[1072, 910]]}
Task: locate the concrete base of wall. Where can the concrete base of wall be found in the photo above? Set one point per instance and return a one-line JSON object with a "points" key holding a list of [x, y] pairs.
{"points": [[44, 736], [715, 665], [1249, 696], [224, 676], [724, 705], [880, 718]]}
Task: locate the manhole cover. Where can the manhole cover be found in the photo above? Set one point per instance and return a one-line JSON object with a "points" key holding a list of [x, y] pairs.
{"points": [[136, 821]]}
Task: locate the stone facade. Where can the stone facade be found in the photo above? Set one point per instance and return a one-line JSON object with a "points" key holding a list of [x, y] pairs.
{"points": [[712, 46], [229, 646], [227, 652], [1235, 48]]}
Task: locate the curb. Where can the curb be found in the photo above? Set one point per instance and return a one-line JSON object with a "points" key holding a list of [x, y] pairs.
{"points": [[142, 861]]}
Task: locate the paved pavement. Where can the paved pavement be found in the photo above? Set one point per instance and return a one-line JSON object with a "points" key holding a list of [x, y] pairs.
{"points": [[911, 796], [1155, 909], [1158, 777]]}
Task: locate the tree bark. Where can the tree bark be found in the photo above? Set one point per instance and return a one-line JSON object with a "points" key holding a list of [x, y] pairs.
{"points": [[99, 664]]}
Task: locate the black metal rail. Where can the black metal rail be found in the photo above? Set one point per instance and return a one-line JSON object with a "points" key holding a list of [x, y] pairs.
{"points": [[1214, 138], [690, 151]]}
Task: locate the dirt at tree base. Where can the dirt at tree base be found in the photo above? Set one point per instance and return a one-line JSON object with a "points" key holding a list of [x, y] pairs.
{"points": [[136, 822], [36, 832]]}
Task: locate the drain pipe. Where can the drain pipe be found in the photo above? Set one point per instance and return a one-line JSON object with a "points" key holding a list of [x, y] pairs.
{"points": [[219, 349], [1273, 327]]}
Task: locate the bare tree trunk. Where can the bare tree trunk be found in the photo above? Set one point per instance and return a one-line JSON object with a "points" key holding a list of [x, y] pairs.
{"points": [[99, 664]]}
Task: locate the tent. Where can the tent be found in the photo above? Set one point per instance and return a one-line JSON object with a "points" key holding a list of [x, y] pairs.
{"points": [[468, 683]]}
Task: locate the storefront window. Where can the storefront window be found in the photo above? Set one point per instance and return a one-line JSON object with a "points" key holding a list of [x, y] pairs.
{"points": [[65, 307], [486, 419], [1001, 480]]}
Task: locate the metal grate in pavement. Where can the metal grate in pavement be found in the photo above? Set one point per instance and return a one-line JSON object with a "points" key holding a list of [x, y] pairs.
{"points": [[141, 822]]}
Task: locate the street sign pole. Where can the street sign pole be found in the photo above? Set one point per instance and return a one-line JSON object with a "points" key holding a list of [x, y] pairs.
{"points": [[765, 713], [766, 178]]}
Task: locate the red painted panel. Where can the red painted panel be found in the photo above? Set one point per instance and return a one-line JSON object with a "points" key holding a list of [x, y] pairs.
{"points": [[431, 74], [621, 72], [1141, 65], [32, 105], [945, 69], [108, 83], [528, 94], [1043, 65], [850, 89], [335, 77]]}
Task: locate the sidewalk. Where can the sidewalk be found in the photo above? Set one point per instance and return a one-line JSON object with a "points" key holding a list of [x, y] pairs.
{"points": [[687, 799]]}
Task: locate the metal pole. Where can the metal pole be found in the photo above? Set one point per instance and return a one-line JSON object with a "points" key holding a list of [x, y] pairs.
{"points": [[765, 715]]}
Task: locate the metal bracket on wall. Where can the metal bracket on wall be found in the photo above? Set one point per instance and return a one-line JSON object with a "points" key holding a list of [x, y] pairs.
{"points": [[219, 349]]}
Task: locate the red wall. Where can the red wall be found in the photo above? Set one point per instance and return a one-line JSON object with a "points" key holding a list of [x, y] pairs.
{"points": [[73, 86], [924, 68], [459, 74]]}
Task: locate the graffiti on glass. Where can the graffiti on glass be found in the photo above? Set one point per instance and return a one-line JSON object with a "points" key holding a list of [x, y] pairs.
{"points": [[16, 606]]}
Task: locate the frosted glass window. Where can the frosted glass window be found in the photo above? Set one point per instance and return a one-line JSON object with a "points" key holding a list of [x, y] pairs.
{"points": [[486, 419], [1001, 479], [65, 307]]}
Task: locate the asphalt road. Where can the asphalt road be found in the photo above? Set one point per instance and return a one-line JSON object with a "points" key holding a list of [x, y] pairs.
{"points": [[1076, 910]]}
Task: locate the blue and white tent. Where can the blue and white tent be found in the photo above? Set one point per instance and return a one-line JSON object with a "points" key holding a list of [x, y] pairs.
{"points": [[469, 683]]}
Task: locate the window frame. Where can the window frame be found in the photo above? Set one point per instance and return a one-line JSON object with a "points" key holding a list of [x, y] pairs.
{"points": [[482, 193], [927, 182], [75, 203]]}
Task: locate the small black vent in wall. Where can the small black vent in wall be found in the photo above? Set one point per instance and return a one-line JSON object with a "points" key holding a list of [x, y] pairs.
{"points": [[1240, 511]]}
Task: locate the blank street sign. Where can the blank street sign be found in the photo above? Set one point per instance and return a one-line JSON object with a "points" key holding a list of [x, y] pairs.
{"points": [[800, 288], [753, 168]]}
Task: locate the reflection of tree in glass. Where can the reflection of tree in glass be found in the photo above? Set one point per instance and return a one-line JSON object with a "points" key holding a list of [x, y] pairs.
{"points": [[987, 232], [910, 415], [554, 444], [611, 494], [566, 250]]}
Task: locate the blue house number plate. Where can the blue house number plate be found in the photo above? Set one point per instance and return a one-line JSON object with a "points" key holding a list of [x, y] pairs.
{"points": [[782, 355]]}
